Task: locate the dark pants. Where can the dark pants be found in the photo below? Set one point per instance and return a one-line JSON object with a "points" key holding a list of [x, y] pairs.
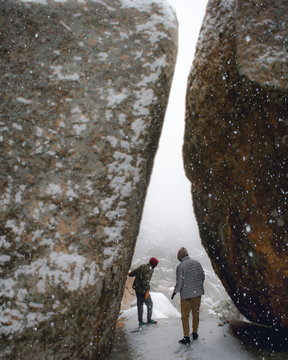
{"points": [[148, 302]]}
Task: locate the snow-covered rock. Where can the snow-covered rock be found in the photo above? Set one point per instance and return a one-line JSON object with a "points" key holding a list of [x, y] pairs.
{"points": [[85, 85], [162, 309]]}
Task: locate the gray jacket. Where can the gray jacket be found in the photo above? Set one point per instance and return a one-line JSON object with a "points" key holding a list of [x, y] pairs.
{"points": [[189, 278]]}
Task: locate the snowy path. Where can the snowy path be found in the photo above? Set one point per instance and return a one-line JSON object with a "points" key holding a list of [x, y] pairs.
{"points": [[161, 342]]}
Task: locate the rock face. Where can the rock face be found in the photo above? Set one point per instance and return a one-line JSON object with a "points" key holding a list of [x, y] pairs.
{"points": [[85, 86], [235, 151]]}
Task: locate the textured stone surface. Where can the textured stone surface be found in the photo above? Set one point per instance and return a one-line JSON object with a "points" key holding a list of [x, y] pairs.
{"points": [[84, 89], [235, 151]]}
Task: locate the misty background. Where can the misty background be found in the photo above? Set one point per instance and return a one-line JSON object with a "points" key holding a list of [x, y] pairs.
{"points": [[168, 220]]}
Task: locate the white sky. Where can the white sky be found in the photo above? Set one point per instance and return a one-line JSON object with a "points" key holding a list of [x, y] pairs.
{"points": [[169, 199]]}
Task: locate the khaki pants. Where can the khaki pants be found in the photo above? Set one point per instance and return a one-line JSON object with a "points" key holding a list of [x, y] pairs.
{"points": [[188, 305]]}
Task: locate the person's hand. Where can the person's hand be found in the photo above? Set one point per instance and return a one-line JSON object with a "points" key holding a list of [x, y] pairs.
{"points": [[147, 295], [172, 297]]}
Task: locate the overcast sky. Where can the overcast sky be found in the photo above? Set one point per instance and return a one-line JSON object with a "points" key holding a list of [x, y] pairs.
{"points": [[169, 199]]}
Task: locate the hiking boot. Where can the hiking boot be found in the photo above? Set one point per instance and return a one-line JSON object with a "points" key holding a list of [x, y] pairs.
{"points": [[194, 336], [152, 322], [185, 340], [142, 323]]}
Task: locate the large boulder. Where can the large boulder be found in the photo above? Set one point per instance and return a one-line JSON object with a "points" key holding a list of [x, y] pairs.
{"points": [[85, 86], [235, 151]]}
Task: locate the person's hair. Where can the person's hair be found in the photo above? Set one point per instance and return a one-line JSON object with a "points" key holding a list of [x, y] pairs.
{"points": [[182, 253]]}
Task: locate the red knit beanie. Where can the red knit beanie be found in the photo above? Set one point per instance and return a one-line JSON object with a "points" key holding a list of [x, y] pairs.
{"points": [[153, 262]]}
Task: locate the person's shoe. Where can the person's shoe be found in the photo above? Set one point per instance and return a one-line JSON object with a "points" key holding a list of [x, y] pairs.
{"points": [[152, 322], [142, 323], [185, 340], [194, 336]]}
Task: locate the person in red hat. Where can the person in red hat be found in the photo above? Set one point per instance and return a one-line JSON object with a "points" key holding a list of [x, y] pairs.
{"points": [[141, 285]]}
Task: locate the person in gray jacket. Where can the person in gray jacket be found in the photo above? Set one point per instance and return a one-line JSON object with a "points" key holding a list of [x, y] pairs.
{"points": [[189, 282]]}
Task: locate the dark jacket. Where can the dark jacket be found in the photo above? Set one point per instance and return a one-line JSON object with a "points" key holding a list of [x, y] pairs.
{"points": [[143, 276]]}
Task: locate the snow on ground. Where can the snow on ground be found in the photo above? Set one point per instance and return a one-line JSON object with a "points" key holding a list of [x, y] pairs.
{"points": [[162, 309], [160, 341], [216, 340]]}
